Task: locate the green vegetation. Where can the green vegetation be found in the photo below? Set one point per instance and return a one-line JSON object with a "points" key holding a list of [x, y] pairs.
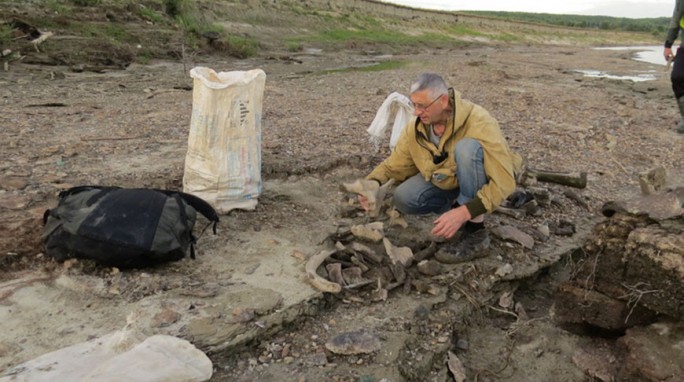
{"points": [[242, 47], [294, 46], [656, 26], [152, 15], [86, 3], [195, 26], [378, 36], [5, 35], [385, 65], [57, 7], [174, 8], [111, 31]]}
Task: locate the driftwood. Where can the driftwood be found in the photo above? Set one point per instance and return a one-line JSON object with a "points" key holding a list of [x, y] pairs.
{"points": [[577, 180], [317, 281]]}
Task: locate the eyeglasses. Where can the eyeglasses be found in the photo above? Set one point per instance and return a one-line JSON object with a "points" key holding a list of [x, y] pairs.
{"points": [[424, 108]]}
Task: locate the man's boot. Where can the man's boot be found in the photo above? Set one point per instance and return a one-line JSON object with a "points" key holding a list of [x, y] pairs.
{"points": [[680, 126]]}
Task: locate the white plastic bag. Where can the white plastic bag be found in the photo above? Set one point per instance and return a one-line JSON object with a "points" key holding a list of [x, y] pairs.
{"points": [[223, 162], [115, 357], [397, 105]]}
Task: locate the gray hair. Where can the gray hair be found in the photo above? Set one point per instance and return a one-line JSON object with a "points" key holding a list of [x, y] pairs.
{"points": [[434, 83]]}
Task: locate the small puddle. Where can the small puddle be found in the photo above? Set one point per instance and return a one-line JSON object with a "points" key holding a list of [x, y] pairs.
{"points": [[652, 54], [636, 78]]}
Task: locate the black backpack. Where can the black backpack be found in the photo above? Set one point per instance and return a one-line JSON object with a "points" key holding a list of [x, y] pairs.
{"points": [[125, 228]]}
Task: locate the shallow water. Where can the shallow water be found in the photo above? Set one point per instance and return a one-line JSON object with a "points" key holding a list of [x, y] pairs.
{"points": [[652, 54]]}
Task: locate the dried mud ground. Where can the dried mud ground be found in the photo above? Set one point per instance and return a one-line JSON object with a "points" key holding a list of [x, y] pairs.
{"points": [[130, 128]]}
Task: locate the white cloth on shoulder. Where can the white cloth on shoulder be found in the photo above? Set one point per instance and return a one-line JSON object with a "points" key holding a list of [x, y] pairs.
{"points": [[397, 106]]}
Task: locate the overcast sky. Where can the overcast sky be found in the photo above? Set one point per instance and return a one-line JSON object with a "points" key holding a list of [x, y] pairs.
{"points": [[616, 8]]}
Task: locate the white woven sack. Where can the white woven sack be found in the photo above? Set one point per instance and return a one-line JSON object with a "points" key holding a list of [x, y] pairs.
{"points": [[223, 162]]}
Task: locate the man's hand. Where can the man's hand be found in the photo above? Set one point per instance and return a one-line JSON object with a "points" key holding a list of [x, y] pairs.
{"points": [[667, 53], [363, 201], [450, 222], [370, 194]]}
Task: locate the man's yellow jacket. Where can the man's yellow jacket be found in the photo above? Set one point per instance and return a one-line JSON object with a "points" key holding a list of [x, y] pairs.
{"points": [[415, 153]]}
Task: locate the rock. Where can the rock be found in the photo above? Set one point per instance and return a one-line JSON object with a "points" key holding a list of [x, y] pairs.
{"points": [[26, 228], [396, 219], [352, 275], [379, 294], [563, 228], [544, 230], [14, 202], [456, 367], [504, 270], [13, 183], [317, 359], [652, 181], [633, 259], [357, 342], [659, 206], [242, 315], [371, 232], [122, 355], [431, 268], [398, 255], [508, 232], [165, 318], [598, 360], [654, 353], [575, 305], [366, 252], [335, 273]]}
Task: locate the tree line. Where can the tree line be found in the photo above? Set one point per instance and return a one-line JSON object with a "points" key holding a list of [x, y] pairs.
{"points": [[656, 26]]}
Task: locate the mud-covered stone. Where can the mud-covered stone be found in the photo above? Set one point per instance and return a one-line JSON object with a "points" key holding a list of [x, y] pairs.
{"points": [[636, 260], [576, 305], [653, 353], [357, 342]]}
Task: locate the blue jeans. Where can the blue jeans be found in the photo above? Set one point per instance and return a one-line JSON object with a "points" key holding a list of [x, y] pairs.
{"points": [[415, 196]]}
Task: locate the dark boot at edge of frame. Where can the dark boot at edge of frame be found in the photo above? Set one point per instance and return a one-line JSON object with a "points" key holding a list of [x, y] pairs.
{"points": [[680, 125]]}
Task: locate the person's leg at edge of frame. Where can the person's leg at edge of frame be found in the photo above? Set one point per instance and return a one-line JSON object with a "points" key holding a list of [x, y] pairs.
{"points": [[677, 78], [471, 177]]}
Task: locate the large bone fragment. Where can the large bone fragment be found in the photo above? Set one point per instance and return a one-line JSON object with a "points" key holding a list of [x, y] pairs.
{"points": [[317, 281]]}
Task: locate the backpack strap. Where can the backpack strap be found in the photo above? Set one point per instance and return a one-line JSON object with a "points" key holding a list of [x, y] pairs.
{"points": [[199, 205]]}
